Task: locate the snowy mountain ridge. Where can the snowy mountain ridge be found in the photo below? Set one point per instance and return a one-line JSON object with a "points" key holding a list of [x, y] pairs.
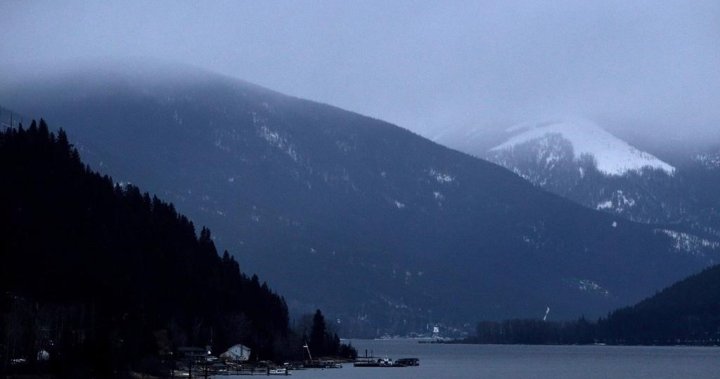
{"points": [[612, 155]]}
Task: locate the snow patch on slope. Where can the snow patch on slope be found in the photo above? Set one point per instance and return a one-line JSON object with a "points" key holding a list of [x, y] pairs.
{"points": [[441, 177], [689, 243], [618, 202], [590, 286], [612, 156], [709, 161], [274, 138]]}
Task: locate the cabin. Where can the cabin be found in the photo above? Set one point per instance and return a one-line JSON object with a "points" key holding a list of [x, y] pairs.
{"points": [[237, 353]]}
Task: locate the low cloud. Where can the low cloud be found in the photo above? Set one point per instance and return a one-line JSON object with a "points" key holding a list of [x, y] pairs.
{"points": [[645, 66]]}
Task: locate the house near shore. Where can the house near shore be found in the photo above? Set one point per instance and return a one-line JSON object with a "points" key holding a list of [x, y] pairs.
{"points": [[237, 353]]}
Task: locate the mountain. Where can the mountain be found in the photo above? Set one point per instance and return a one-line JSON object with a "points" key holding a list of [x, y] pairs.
{"points": [[385, 230], [580, 161], [609, 155], [105, 278], [686, 312], [700, 175]]}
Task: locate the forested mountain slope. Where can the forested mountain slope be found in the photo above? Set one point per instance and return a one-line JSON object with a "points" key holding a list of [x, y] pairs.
{"points": [[386, 230], [104, 277], [687, 312]]}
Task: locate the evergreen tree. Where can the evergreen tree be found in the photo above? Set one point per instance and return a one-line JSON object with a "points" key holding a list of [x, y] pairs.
{"points": [[323, 343], [318, 334]]}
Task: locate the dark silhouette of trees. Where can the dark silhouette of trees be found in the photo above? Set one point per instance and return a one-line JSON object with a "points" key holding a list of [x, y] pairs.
{"points": [[323, 343], [688, 312], [533, 332], [318, 334], [105, 278]]}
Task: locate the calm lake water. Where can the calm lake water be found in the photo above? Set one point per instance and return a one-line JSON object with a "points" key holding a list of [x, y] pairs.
{"points": [[513, 361]]}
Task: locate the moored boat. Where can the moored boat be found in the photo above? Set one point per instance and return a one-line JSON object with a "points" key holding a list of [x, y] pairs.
{"points": [[406, 362], [279, 371], [386, 362]]}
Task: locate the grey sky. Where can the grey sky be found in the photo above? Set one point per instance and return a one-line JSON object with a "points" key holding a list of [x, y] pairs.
{"points": [[426, 66]]}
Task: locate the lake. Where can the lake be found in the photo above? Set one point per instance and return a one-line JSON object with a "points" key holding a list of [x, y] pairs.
{"points": [[521, 361]]}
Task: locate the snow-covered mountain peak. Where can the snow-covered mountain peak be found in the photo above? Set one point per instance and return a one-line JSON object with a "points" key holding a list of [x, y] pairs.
{"points": [[612, 155]]}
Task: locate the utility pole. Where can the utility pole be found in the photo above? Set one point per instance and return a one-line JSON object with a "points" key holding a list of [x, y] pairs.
{"points": [[308, 351]]}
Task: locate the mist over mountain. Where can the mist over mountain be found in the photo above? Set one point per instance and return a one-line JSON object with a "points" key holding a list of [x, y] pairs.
{"points": [[386, 230], [635, 67]]}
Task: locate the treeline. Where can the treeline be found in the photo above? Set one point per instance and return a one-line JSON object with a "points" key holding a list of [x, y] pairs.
{"points": [[618, 329], [323, 342], [688, 312], [533, 332], [98, 278]]}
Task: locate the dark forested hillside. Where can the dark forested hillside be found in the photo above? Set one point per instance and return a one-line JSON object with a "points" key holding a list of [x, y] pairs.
{"points": [[686, 312], [103, 276]]}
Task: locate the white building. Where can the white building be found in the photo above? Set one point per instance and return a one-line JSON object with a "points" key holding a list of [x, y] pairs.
{"points": [[237, 353]]}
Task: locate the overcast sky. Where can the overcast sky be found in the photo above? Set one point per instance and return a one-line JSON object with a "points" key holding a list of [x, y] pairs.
{"points": [[427, 66]]}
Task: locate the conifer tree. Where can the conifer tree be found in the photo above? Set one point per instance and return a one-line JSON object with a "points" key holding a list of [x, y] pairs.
{"points": [[318, 334]]}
